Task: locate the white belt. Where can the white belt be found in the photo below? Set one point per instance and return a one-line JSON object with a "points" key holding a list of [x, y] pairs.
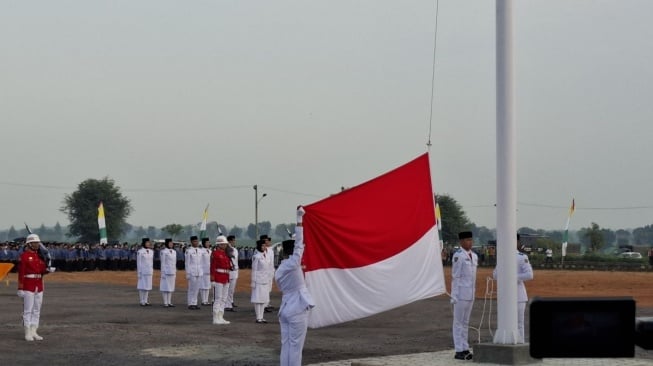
{"points": [[220, 270], [33, 276]]}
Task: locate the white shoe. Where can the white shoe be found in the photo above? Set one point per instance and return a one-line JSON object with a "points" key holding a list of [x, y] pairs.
{"points": [[34, 335], [28, 334], [221, 315]]}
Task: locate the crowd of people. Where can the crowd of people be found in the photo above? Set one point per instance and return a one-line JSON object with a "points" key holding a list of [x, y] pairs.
{"points": [[75, 257]]}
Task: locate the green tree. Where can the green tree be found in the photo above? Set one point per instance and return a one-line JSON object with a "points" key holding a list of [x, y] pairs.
{"points": [[281, 230], [236, 231], [81, 207], [251, 231], [173, 229], [594, 237], [12, 233], [454, 219], [58, 232]]}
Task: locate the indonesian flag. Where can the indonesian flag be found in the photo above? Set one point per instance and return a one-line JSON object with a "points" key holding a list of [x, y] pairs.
{"points": [[373, 247], [102, 224]]}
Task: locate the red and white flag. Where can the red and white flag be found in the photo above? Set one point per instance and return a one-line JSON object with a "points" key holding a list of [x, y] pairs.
{"points": [[373, 247]]}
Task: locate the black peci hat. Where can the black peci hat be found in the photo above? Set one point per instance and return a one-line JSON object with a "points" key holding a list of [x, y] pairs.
{"points": [[231, 237], [144, 240], [264, 237], [205, 240], [288, 247], [168, 240], [259, 244], [465, 235], [194, 237]]}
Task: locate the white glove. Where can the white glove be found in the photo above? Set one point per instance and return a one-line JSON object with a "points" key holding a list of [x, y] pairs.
{"points": [[453, 300], [20, 293], [52, 269], [300, 213]]}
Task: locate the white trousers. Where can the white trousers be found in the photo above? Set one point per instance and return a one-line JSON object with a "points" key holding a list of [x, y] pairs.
{"points": [[193, 289], [32, 308], [462, 310], [232, 289], [144, 296], [220, 293], [293, 335], [521, 307]]}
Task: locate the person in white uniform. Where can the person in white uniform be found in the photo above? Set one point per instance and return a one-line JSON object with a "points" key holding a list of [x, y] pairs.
{"points": [[168, 257], [524, 273], [194, 271], [463, 291], [232, 253], [145, 270], [205, 282], [296, 300], [261, 281]]}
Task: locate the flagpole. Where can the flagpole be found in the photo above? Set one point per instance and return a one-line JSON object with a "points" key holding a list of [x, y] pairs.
{"points": [[507, 330]]}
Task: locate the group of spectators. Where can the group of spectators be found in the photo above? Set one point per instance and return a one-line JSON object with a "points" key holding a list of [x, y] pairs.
{"points": [[74, 257]]}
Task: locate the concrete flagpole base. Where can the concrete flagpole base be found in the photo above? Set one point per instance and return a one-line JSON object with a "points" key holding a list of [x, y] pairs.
{"points": [[504, 354]]}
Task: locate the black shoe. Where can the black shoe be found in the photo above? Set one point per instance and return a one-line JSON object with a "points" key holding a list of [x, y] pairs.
{"points": [[234, 305], [193, 307], [171, 306], [143, 305], [148, 304], [259, 321], [230, 309], [464, 355], [269, 309]]}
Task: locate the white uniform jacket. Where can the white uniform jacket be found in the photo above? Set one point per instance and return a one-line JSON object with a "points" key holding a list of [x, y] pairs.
{"points": [[168, 262], [463, 275], [145, 262], [193, 262], [524, 273], [233, 274], [290, 279]]}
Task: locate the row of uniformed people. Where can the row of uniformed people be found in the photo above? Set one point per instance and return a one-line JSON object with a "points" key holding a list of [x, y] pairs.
{"points": [[81, 257]]}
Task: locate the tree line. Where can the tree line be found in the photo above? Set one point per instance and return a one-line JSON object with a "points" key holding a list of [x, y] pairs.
{"points": [[81, 208]]}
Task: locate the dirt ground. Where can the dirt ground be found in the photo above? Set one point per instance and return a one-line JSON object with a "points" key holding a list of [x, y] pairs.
{"points": [[93, 318]]}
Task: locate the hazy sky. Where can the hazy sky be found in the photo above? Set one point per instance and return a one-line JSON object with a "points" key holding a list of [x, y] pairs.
{"points": [[185, 103]]}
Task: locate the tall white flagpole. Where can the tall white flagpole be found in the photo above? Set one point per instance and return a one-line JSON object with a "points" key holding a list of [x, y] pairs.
{"points": [[507, 332]]}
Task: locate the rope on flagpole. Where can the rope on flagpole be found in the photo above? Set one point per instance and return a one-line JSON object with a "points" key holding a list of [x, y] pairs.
{"points": [[435, 43]]}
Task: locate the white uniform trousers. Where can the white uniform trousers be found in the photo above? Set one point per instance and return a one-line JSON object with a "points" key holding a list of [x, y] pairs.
{"points": [[193, 289], [205, 288], [220, 293], [32, 308], [230, 295], [293, 335], [521, 307], [462, 310]]}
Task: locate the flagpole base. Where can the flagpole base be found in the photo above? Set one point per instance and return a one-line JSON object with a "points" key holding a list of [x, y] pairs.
{"points": [[504, 354]]}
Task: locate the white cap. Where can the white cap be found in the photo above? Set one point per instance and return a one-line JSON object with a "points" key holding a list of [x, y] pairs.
{"points": [[32, 238], [221, 240]]}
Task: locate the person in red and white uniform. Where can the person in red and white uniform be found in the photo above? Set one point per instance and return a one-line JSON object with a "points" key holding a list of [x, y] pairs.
{"points": [[220, 268], [30, 286]]}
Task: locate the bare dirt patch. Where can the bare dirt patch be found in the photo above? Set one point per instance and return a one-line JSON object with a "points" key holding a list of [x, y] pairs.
{"points": [[93, 318]]}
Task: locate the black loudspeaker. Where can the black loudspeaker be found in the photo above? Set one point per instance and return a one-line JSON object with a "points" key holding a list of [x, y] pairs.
{"points": [[582, 327], [644, 332]]}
